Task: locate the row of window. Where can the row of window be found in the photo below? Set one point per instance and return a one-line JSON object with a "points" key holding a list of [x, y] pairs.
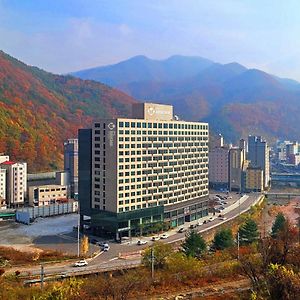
{"points": [[170, 146], [162, 125], [187, 134], [52, 190], [161, 202], [154, 162]]}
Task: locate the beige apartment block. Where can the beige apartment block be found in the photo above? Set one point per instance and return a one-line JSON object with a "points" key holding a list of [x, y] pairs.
{"points": [[218, 167], [47, 194], [148, 169], [254, 179]]}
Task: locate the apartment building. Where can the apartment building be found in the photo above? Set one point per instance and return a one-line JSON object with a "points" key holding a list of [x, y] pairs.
{"points": [[2, 183], [218, 167], [47, 194], [236, 166], [71, 164], [140, 171], [16, 182], [254, 179], [258, 154], [3, 158]]}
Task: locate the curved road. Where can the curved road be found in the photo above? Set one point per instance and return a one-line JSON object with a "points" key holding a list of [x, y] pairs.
{"points": [[110, 260]]}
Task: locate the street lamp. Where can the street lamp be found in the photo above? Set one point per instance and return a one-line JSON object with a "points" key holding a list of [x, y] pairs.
{"points": [[78, 231], [238, 234]]}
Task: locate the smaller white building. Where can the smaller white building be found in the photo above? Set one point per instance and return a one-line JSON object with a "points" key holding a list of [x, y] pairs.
{"points": [[16, 182], [3, 158], [2, 184]]}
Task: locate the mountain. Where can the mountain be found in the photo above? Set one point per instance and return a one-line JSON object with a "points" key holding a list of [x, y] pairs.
{"points": [[39, 110], [141, 68], [235, 100]]}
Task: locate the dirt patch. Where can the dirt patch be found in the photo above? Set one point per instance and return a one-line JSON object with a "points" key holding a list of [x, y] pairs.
{"points": [[290, 208]]}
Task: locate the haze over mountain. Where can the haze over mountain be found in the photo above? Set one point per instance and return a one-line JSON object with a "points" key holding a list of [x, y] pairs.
{"points": [[39, 110], [235, 100]]}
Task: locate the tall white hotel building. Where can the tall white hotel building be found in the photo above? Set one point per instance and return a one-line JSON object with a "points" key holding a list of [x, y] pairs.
{"points": [[136, 172]]}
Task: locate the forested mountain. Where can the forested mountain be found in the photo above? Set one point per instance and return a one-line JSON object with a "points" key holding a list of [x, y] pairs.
{"points": [[39, 110], [235, 100]]}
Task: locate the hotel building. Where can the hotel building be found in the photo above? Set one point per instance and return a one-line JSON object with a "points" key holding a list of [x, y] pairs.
{"points": [[136, 172]]}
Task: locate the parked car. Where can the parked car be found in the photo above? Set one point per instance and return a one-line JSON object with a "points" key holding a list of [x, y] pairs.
{"points": [[141, 242], [192, 226], [182, 229], [211, 219], [101, 244], [81, 263], [94, 241], [164, 236], [199, 223], [155, 238], [105, 247], [223, 218]]}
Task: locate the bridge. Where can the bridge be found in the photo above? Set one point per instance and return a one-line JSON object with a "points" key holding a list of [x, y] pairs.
{"points": [[275, 195], [285, 177]]}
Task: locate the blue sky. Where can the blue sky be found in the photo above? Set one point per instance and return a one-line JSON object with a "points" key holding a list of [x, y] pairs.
{"points": [[68, 35]]}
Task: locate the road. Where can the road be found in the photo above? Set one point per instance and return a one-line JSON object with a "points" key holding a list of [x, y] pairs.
{"points": [[109, 260]]}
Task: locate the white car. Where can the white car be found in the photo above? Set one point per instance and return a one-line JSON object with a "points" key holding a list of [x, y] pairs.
{"points": [[223, 218], [211, 219], [155, 238], [164, 236], [141, 242], [105, 247], [81, 263]]}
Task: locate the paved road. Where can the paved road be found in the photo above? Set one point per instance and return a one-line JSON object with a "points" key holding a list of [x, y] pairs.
{"points": [[110, 259]]}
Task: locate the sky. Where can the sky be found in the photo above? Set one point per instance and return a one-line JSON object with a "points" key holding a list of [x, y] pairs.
{"points": [[62, 36]]}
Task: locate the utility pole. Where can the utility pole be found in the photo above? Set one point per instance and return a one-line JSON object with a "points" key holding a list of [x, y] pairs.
{"points": [[42, 276], [299, 230], [78, 232], [152, 263], [238, 234]]}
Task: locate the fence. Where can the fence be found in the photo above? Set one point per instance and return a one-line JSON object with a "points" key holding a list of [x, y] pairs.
{"points": [[28, 214]]}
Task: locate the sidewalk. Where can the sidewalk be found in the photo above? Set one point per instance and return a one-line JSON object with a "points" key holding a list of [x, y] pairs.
{"points": [[187, 225]]}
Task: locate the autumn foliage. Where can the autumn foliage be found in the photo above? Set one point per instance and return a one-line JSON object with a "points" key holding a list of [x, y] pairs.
{"points": [[39, 110]]}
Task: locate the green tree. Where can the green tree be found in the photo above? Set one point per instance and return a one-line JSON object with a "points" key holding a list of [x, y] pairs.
{"points": [[160, 254], [194, 244], [248, 232], [278, 225], [223, 239]]}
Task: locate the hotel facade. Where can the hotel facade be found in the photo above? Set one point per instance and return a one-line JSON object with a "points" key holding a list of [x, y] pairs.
{"points": [[137, 172]]}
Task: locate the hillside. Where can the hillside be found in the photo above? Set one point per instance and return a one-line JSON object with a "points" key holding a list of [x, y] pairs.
{"points": [[39, 110], [235, 100]]}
